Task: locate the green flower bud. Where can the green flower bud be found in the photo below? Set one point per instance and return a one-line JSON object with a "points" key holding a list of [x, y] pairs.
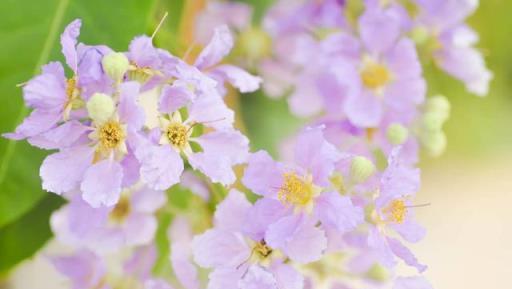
{"points": [[397, 134], [255, 43], [440, 105], [100, 107], [377, 273], [432, 122], [434, 142], [420, 35], [361, 169], [115, 65]]}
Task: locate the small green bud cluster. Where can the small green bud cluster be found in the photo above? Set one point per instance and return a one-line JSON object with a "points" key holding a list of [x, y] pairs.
{"points": [[431, 135]]}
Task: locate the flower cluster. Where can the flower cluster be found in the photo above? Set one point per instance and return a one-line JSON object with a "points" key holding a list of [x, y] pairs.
{"points": [[125, 129]]}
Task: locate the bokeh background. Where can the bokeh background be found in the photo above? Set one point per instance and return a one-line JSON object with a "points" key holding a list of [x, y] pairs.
{"points": [[469, 222]]}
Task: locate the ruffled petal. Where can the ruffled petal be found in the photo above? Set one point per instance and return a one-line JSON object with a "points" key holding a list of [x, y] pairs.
{"points": [[68, 43], [220, 45], [263, 175], [239, 78], [62, 172], [161, 167], [219, 248], [102, 183]]}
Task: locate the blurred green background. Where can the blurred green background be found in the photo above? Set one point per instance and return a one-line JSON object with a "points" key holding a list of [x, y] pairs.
{"points": [[479, 128]]}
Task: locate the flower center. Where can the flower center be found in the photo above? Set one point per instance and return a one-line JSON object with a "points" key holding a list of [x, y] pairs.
{"points": [[295, 190], [397, 211], [177, 134], [111, 135], [121, 210], [375, 75], [262, 249]]}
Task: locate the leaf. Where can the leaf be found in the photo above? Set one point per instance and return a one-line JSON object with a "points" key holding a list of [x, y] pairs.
{"points": [[21, 239], [30, 38]]}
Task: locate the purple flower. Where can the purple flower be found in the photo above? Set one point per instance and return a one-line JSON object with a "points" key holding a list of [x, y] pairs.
{"points": [[393, 211], [131, 222], [454, 51], [237, 260], [387, 76], [302, 193], [100, 162], [220, 149]]}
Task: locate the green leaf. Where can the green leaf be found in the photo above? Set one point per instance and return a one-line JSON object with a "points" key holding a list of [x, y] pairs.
{"points": [[30, 38], [21, 239]]}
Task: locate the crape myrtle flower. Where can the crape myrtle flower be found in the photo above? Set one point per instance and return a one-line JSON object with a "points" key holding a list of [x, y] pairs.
{"points": [[440, 25], [239, 260], [55, 98], [100, 162], [386, 75], [392, 211], [86, 270], [303, 195], [131, 222]]}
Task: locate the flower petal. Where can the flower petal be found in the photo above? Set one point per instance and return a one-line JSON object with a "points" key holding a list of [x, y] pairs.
{"points": [[102, 183], [220, 45], [68, 43], [62, 172]]}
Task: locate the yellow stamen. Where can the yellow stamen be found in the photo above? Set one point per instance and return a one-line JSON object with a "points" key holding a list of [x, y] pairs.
{"points": [[121, 210], [177, 134], [375, 75], [296, 191], [397, 211], [262, 249], [111, 135]]}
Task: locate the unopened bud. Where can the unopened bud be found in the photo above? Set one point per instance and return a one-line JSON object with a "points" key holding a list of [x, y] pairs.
{"points": [[115, 65], [255, 43], [420, 35], [100, 107], [439, 105], [434, 143], [361, 169], [377, 273], [432, 122], [397, 134]]}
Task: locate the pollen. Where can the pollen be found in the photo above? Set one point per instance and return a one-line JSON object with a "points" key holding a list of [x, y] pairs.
{"points": [[262, 249], [121, 210], [295, 191], [375, 75], [397, 211], [111, 135], [177, 134], [71, 89]]}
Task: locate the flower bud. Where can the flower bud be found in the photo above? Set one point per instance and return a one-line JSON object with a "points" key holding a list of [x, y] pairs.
{"points": [[434, 142], [100, 107], [439, 105], [255, 43], [115, 65], [420, 35], [377, 273], [397, 134], [361, 169], [432, 122]]}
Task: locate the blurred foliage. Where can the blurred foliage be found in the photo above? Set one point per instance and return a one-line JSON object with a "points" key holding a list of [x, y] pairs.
{"points": [[30, 38]]}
